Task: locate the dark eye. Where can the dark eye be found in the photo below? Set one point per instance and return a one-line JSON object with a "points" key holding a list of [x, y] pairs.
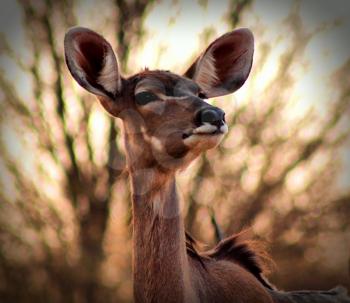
{"points": [[145, 97], [202, 95]]}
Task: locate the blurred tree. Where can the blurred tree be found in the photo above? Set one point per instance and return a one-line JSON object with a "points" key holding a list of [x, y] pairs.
{"points": [[264, 154], [275, 175], [236, 9], [65, 139]]}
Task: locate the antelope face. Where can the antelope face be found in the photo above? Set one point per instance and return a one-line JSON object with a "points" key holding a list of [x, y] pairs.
{"points": [[176, 118], [166, 117]]}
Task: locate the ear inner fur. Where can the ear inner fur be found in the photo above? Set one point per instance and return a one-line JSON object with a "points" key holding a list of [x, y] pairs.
{"points": [[206, 73], [225, 64], [108, 77], [92, 62]]}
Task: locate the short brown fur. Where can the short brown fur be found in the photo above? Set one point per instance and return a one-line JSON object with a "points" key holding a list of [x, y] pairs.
{"points": [[163, 133]]}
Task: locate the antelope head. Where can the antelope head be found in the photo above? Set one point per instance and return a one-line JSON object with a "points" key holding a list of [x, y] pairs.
{"points": [[167, 120]]}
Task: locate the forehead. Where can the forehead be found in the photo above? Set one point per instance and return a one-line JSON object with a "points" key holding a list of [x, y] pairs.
{"points": [[163, 80]]}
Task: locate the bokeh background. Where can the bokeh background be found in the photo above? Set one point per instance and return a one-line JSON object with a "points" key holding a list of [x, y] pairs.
{"points": [[282, 171]]}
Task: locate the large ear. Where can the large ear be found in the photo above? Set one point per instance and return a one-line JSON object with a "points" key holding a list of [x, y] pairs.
{"points": [[91, 61], [225, 64]]}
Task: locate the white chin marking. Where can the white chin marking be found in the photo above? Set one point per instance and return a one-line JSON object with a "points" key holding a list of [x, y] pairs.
{"points": [[224, 128], [203, 141], [206, 128], [205, 136]]}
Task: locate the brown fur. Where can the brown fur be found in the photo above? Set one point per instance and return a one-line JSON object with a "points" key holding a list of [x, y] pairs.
{"points": [[167, 267], [166, 270], [248, 254]]}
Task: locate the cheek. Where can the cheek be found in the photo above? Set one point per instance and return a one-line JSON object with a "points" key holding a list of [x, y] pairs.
{"points": [[174, 146], [169, 144], [153, 108], [169, 151]]}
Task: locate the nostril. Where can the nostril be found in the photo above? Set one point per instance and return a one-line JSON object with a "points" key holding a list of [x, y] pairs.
{"points": [[212, 116], [209, 116]]}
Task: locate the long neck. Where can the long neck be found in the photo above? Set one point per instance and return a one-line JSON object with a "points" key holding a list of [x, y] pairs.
{"points": [[160, 262]]}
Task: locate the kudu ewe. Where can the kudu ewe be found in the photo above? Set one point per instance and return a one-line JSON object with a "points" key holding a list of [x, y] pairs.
{"points": [[167, 124]]}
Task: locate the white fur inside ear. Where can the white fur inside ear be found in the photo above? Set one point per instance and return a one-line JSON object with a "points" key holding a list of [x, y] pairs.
{"points": [[109, 76], [206, 75]]}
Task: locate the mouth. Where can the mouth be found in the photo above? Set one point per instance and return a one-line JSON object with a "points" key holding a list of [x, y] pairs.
{"points": [[206, 130]]}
